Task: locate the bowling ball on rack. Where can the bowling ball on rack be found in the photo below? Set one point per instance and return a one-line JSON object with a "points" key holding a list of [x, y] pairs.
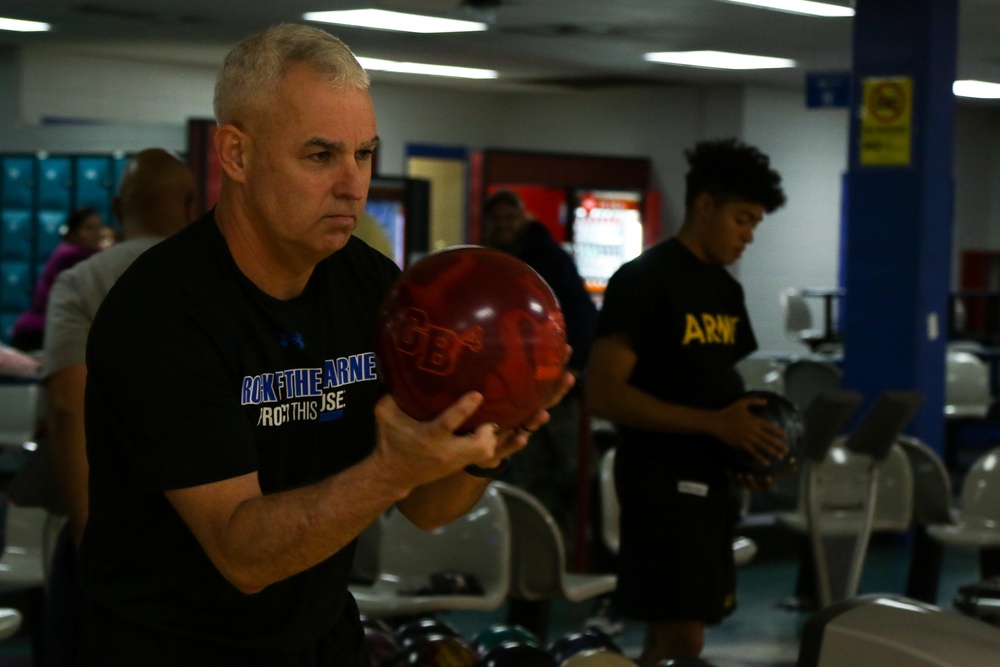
{"points": [[380, 646], [597, 657], [568, 645], [515, 654], [412, 631], [782, 412], [498, 634], [437, 650], [470, 318]]}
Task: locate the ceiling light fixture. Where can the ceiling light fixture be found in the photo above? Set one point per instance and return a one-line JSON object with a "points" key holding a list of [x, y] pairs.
{"points": [[983, 90], [17, 25], [431, 70], [718, 60], [806, 7], [380, 19]]}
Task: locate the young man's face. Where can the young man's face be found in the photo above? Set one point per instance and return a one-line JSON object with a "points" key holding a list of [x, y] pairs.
{"points": [[726, 228]]}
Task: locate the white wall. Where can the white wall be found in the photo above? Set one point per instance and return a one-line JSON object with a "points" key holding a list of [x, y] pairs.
{"points": [[798, 245]]}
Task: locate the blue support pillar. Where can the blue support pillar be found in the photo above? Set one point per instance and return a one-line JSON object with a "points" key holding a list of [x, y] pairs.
{"points": [[896, 255]]}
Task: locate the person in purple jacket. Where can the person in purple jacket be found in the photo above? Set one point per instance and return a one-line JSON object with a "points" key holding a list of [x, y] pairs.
{"points": [[83, 237]]}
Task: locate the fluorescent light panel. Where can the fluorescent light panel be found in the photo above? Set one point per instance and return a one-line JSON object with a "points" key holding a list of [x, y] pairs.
{"points": [[718, 60], [806, 7], [380, 19], [17, 25], [432, 70], [979, 89]]}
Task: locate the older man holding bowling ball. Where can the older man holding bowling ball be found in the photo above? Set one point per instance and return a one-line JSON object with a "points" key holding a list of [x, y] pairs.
{"points": [[238, 432]]}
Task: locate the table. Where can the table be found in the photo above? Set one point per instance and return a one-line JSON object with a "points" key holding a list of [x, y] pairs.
{"points": [[828, 294]]}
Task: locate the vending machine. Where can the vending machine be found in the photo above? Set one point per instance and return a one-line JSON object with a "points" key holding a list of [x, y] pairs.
{"points": [[607, 231]]}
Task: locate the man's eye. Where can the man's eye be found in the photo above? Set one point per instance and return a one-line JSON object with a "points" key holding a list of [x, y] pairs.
{"points": [[365, 154]]}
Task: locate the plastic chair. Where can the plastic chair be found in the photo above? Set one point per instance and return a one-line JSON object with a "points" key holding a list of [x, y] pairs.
{"points": [[366, 567], [968, 399], [977, 522], [762, 373], [844, 478], [23, 563], [799, 320], [538, 563], [932, 505], [18, 413], [476, 545], [805, 379], [851, 487], [744, 548], [967, 386]]}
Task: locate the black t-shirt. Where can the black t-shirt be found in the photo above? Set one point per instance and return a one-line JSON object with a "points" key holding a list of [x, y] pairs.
{"points": [[196, 376], [688, 326], [542, 253]]}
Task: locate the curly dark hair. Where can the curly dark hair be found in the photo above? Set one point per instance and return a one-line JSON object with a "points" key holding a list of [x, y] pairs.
{"points": [[728, 170]]}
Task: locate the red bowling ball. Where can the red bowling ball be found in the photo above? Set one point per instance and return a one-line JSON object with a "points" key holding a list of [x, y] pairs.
{"points": [[470, 318]]}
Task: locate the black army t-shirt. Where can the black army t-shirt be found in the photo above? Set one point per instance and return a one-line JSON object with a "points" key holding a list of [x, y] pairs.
{"points": [[688, 325], [197, 376]]}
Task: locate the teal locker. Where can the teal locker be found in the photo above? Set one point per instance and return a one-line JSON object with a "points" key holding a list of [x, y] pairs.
{"points": [[48, 233], [17, 186], [94, 184], [15, 234], [55, 180], [15, 287]]}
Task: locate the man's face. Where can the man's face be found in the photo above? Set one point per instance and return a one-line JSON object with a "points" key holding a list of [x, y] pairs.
{"points": [[727, 229], [503, 224], [308, 166]]}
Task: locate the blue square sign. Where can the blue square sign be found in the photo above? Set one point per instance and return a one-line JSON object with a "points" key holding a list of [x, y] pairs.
{"points": [[828, 89]]}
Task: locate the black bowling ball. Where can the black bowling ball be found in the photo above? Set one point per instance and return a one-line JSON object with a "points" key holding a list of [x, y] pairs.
{"points": [[779, 411]]}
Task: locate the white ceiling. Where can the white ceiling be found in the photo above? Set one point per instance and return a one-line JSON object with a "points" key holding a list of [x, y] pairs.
{"points": [[530, 42]]}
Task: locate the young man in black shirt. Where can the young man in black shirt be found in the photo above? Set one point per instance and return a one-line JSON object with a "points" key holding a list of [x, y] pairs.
{"points": [[662, 368]]}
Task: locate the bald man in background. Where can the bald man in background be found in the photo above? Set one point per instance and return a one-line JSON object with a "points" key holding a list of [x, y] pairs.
{"points": [[156, 198]]}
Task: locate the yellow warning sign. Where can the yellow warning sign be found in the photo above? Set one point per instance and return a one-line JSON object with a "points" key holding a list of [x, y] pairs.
{"points": [[886, 121]]}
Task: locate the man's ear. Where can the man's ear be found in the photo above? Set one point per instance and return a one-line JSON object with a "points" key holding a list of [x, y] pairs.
{"points": [[704, 205], [232, 146]]}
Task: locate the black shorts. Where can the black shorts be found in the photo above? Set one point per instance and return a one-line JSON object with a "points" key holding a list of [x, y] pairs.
{"points": [[675, 557], [111, 641]]}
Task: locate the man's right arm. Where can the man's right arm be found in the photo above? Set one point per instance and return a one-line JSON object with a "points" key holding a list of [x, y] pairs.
{"points": [[609, 394], [255, 540], [67, 323]]}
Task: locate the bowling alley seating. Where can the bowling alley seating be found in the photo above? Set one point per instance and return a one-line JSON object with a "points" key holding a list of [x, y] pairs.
{"points": [[799, 320], [744, 548], [968, 400], [18, 413], [538, 563], [976, 522], [852, 486], [475, 546], [762, 373], [932, 505], [803, 381], [365, 568]]}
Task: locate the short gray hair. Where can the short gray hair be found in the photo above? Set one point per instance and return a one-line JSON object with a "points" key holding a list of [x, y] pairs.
{"points": [[252, 70]]}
